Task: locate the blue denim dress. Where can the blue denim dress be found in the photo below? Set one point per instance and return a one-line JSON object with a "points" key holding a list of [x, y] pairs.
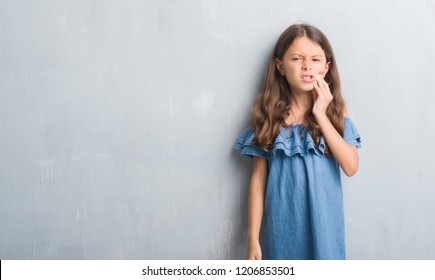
{"points": [[303, 208]]}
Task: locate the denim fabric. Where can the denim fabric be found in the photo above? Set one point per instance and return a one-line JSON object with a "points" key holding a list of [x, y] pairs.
{"points": [[303, 210]]}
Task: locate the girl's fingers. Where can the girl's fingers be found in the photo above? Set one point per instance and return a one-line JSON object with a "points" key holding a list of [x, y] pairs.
{"points": [[323, 85], [315, 90], [319, 81], [315, 94], [322, 80], [318, 88]]}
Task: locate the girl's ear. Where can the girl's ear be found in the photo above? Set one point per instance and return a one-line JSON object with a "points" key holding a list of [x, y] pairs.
{"points": [[327, 67], [279, 66]]}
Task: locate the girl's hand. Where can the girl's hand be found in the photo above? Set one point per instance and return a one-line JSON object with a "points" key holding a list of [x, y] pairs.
{"points": [[254, 251], [322, 96]]}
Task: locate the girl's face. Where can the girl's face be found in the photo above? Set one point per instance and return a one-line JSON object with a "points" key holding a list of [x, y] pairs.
{"points": [[302, 63]]}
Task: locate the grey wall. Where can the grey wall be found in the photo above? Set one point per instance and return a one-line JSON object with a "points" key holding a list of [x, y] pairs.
{"points": [[118, 119]]}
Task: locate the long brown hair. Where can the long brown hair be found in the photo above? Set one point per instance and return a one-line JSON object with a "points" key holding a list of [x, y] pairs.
{"points": [[272, 105]]}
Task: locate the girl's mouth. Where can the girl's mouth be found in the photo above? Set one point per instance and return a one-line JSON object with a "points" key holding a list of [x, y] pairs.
{"points": [[306, 78]]}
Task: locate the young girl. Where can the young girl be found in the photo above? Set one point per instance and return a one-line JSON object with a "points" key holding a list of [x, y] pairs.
{"points": [[299, 136]]}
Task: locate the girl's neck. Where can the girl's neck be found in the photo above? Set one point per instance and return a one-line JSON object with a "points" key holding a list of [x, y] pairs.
{"points": [[302, 101], [300, 104]]}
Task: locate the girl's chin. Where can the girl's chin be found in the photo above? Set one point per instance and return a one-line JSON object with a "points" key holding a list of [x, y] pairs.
{"points": [[299, 86], [305, 88]]}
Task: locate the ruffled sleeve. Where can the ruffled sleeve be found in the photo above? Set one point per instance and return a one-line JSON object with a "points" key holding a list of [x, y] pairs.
{"points": [[246, 148], [351, 135]]}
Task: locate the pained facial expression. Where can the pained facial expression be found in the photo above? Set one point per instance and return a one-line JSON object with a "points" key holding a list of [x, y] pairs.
{"points": [[301, 64]]}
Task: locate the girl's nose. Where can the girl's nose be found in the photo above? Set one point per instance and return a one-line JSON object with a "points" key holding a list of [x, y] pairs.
{"points": [[305, 66]]}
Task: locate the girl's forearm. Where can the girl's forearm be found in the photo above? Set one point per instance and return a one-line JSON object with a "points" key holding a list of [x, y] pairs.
{"points": [[256, 198], [345, 154], [256, 206]]}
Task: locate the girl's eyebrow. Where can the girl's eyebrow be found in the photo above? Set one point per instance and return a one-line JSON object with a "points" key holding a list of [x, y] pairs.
{"points": [[303, 55]]}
